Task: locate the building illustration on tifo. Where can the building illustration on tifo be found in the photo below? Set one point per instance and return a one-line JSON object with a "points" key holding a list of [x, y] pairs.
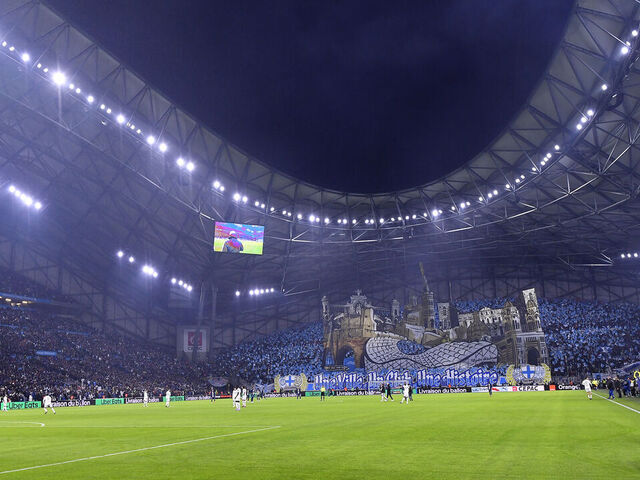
{"points": [[410, 338]]}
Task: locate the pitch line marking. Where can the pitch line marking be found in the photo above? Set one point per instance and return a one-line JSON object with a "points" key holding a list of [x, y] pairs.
{"points": [[125, 452], [156, 426], [617, 403], [32, 423]]}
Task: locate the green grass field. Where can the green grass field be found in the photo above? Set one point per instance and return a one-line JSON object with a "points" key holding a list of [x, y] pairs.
{"points": [[250, 246], [511, 435]]}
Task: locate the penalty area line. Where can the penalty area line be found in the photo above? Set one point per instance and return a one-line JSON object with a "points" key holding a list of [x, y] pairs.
{"points": [[136, 450], [617, 403]]}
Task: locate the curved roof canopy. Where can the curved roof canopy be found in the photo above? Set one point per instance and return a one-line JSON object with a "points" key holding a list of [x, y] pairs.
{"points": [[117, 166]]}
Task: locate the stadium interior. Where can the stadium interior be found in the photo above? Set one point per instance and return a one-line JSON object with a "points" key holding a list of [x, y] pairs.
{"points": [[110, 285]]}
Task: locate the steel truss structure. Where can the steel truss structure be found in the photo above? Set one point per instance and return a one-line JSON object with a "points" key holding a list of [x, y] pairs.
{"points": [[551, 202]]}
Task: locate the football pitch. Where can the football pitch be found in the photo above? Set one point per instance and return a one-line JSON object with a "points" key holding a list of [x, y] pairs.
{"points": [[452, 436], [250, 246]]}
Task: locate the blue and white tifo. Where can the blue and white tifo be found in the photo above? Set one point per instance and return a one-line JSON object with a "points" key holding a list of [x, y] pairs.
{"points": [[449, 377]]}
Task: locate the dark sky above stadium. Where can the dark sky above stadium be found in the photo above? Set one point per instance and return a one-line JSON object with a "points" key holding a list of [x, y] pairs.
{"points": [[365, 96]]}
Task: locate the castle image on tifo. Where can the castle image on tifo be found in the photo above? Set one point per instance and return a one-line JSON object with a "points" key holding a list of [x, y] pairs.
{"points": [[382, 338]]}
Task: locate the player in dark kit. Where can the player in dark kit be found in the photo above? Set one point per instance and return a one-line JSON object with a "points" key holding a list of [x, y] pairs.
{"points": [[213, 395], [389, 396]]}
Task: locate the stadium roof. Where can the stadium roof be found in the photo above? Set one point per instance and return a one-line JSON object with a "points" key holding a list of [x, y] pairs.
{"points": [[116, 165]]}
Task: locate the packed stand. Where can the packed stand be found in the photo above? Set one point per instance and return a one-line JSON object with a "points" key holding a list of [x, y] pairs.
{"points": [[284, 352]]}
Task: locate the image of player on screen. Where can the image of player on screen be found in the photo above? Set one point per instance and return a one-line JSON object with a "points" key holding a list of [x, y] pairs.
{"points": [[233, 245]]}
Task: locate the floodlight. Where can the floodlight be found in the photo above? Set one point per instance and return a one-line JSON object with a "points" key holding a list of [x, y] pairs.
{"points": [[256, 203], [434, 212], [462, 205], [517, 180], [120, 119], [191, 167], [490, 195], [237, 293], [579, 126], [131, 259], [413, 217], [354, 221], [556, 147], [120, 253], [262, 205], [495, 192], [299, 216], [163, 147], [28, 201], [71, 86], [244, 199], [628, 255], [222, 188], [381, 220], [583, 120], [12, 189], [109, 111], [272, 209], [604, 87], [37, 205], [261, 291], [25, 57], [622, 255], [90, 99], [590, 112], [180, 283], [190, 288], [102, 106], [624, 50], [155, 274], [344, 220], [78, 91], [12, 48], [634, 33], [407, 217], [173, 281], [251, 292], [312, 218], [216, 184], [151, 139], [635, 255], [39, 65], [59, 78], [236, 197], [180, 162], [273, 290]]}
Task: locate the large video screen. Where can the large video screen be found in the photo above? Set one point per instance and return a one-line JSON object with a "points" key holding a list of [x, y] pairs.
{"points": [[238, 238]]}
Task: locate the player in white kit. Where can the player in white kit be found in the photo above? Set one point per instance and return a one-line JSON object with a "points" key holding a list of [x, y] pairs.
{"points": [[5, 404], [235, 395], [587, 387], [405, 394], [167, 398], [46, 403], [244, 397], [145, 398]]}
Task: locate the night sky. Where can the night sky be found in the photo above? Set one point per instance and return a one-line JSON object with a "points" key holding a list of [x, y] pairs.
{"points": [[363, 96]]}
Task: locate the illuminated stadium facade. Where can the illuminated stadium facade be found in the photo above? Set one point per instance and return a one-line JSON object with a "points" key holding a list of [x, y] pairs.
{"points": [[114, 166]]}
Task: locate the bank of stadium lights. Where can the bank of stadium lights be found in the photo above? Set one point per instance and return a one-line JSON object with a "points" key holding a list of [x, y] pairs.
{"points": [[256, 292], [25, 57], [189, 166], [218, 186], [181, 283], [122, 254], [150, 271], [25, 198]]}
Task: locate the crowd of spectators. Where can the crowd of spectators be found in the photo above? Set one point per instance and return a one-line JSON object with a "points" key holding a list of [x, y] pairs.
{"points": [[43, 352], [282, 353]]}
